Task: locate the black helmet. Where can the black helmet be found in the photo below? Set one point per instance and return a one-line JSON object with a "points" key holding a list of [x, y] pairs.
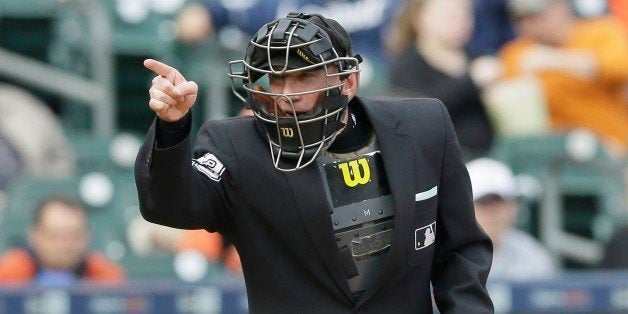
{"points": [[298, 42]]}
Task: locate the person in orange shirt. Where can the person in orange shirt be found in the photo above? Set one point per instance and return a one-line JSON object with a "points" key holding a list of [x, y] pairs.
{"points": [[213, 247], [619, 8], [58, 250], [582, 66]]}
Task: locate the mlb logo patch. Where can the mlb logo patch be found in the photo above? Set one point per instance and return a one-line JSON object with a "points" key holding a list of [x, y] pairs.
{"points": [[425, 236]]}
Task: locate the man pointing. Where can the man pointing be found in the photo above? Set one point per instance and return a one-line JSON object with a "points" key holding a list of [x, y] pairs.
{"points": [[328, 197]]}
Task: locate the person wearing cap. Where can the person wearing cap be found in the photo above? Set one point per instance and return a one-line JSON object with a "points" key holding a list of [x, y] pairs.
{"points": [[517, 255], [335, 203], [582, 66]]}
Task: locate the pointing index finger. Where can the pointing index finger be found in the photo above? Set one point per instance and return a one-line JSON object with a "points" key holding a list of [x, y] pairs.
{"points": [[158, 67]]}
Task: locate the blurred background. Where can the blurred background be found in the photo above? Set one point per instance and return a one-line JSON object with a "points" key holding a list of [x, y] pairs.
{"points": [[539, 86]]}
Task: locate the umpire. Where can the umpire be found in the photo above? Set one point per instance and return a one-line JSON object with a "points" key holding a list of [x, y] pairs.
{"points": [[335, 203]]}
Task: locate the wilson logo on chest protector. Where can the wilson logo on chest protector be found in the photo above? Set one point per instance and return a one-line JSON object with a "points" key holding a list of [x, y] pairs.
{"points": [[355, 172]]}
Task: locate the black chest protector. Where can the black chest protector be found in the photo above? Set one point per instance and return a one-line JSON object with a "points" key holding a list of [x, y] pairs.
{"points": [[362, 211]]}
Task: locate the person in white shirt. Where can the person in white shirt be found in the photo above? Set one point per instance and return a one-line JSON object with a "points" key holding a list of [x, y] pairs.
{"points": [[517, 255]]}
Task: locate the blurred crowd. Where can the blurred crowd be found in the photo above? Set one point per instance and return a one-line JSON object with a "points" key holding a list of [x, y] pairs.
{"points": [[505, 69]]}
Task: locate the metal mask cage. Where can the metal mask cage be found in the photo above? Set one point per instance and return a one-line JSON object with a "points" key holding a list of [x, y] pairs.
{"points": [[243, 75]]}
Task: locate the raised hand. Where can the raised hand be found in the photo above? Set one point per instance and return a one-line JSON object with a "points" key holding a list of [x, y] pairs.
{"points": [[171, 95]]}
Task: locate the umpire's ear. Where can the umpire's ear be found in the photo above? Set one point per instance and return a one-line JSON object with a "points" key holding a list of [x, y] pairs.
{"points": [[351, 85]]}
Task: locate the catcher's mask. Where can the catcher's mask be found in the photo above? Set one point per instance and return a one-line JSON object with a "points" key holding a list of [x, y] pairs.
{"points": [[313, 51]]}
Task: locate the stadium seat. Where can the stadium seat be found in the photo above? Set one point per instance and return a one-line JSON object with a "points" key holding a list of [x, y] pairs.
{"points": [[589, 191]]}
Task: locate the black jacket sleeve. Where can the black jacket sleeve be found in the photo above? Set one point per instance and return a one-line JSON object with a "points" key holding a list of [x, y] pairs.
{"points": [[169, 134], [464, 253], [173, 191]]}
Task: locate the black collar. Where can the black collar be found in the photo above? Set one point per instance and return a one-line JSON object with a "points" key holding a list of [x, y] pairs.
{"points": [[357, 132]]}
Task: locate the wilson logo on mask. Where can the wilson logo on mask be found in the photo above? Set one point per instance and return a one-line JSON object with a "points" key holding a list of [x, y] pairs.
{"points": [[287, 132], [304, 56], [355, 176]]}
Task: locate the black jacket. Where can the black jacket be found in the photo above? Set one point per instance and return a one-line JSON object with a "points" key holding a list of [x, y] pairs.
{"points": [[280, 223]]}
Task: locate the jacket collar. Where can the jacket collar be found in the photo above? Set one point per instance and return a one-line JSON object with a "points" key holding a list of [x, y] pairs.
{"points": [[398, 154]]}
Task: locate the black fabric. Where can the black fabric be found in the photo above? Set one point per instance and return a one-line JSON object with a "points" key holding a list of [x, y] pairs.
{"points": [[331, 34], [280, 224], [356, 134], [278, 61], [301, 56], [412, 76], [347, 262], [280, 30], [170, 134], [340, 39]]}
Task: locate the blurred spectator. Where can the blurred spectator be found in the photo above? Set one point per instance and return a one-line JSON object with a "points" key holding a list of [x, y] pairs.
{"points": [[146, 238], [492, 29], [428, 42], [365, 20], [582, 66], [213, 246], [516, 254], [57, 253], [616, 250], [619, 8], [34, 134]]}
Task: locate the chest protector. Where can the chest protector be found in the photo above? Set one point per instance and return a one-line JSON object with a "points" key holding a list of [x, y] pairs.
{"points": [[361, 211]]}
